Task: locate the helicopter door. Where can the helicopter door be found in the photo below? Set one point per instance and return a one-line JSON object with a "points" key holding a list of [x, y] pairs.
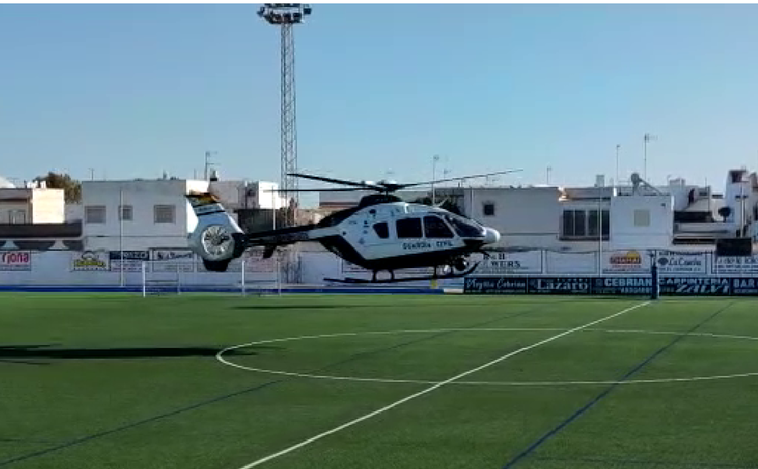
{"points": [[438, 233], [377, 240], [410, 236]]}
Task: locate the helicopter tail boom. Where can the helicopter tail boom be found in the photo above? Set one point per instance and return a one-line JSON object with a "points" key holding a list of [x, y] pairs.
{"points": [[282, 237]]}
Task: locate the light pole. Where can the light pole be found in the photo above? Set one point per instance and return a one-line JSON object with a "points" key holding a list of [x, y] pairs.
{"points": [[286, 16], [435, 159], [121, 233], [646, 139], [617, 182]]}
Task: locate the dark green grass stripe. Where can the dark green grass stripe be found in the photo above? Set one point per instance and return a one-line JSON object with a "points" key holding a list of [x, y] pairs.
{"points": [[579, 412], [357, 356], [605, 462]]}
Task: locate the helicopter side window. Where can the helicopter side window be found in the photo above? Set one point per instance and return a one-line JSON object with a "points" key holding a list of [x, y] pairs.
{"points": [[382, 230], [464, 230], [409, 228], [434, 227]]}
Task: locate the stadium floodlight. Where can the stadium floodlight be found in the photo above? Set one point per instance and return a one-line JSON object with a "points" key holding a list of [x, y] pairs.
{"points": [[284, 13]]}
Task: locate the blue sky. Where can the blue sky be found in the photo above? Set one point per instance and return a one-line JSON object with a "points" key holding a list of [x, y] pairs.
{"points": [[133, 90]]}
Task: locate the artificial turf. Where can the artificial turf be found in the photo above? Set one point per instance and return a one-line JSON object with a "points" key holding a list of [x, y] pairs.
{"points": [[119, 381]]}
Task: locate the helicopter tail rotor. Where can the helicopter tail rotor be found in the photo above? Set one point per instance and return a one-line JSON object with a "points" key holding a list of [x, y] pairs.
{"points": [[217, 237]]}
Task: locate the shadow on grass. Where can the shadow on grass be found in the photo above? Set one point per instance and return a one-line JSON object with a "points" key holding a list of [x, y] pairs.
{"points": [[311, 307], [18, 353]]}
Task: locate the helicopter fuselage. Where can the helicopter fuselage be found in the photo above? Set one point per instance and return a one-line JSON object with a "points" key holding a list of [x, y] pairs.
{"points": [[400, 235], [374, 235]]}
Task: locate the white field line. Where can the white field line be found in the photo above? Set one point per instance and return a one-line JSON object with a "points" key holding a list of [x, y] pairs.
{"points": [[221, 359], [434, 387]]}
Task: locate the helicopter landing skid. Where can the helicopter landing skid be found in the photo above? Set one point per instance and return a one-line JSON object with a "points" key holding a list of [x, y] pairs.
{"points": [[405, 279]]}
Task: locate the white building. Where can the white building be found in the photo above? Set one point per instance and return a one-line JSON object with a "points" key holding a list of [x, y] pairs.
{"points": [[33, 204], [637, 216], [155, 213]]}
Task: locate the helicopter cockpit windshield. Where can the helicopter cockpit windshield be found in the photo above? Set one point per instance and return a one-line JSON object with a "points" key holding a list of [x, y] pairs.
{"points": [[464, 227]]}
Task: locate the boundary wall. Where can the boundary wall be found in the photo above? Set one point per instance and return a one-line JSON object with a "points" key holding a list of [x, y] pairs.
{"points": [[612, 272]]}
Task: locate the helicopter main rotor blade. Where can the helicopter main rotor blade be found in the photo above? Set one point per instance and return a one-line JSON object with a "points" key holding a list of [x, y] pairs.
{"points": [[332, 189], [403, 186], [336, 181]]}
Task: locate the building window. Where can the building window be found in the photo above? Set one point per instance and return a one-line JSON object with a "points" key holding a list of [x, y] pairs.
{"points": [[604, 222], [434, 227], [583, 224], [94, 214], [382, 230], [164, 214], [17, 217], [125, 212], [642, 217], [409, 228], [488, 208]]}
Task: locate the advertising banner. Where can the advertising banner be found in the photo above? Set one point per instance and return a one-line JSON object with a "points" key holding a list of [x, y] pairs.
{"points": [[15, 260], [502, 263], [689, 286], [171, 260], [557, 263], [494, 285], [622, 285], [690, 263], [626, 262], [696, 286], [745, 286], [132, 260], [729, 265], [89, 261], [560, 285]]}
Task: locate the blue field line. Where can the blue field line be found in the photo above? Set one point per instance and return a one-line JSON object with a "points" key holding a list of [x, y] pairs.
{"points": [[214, 289], [607, 391], [606, 462], [197, 405]]}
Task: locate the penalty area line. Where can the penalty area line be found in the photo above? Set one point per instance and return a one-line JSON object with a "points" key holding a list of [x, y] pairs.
{"points": [[434, 387]]}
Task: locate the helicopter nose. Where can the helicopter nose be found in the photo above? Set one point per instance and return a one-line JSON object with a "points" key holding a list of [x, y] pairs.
{"points": [[491, 236]]}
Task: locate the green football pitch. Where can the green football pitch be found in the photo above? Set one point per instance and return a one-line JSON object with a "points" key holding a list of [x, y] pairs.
{"points": [[393, 381]]}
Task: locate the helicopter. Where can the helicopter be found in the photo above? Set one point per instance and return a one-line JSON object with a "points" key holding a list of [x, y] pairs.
{"points": [[381, 233]]}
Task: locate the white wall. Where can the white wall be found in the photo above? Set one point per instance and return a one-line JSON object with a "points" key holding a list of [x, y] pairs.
{"points": [[48, 206], [655, 209], [524, 216], [72, 268], [73, 212], [141, 232]]}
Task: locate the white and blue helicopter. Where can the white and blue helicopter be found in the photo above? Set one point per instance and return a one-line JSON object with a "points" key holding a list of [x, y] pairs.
{"points": [[382, 233]]}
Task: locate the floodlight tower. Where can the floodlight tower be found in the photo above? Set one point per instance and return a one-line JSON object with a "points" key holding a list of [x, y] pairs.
{"points": [[286, 15]]}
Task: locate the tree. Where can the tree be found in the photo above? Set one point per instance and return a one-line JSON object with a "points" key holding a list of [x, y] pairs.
{"points": [[725, 211], [446, 204], [72, 189]]}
